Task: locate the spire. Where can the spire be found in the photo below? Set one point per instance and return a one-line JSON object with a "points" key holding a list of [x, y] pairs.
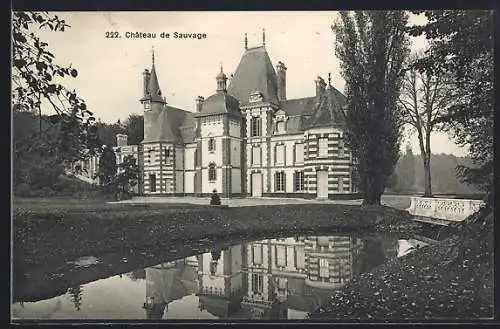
{"points": [[221, 80], [263, 37], [153, 55], [153, 85], [329, 78], [246, 42]]}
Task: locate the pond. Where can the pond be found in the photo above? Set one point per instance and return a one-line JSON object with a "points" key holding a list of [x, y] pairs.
{"points": [[279, 278]]}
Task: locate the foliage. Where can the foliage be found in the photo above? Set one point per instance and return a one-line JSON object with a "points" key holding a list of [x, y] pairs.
{"points": [[107, 132], [372, 47], [36, 165], [34, 76], [405, 171], [134, 127], [409, 174], [44, 144], [424, 99], [107, 169], [128, 174], [461, 45], [76, 296]]}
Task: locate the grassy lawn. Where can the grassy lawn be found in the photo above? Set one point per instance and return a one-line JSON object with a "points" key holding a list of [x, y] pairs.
{"points": [[65, 229]]}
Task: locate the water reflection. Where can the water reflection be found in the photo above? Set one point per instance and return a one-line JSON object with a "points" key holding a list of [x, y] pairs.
{"points": [[266, 279]]}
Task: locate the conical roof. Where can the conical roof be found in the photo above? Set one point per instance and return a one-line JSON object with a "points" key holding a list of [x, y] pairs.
{"points": [[255, 72], [328, 110], [154, 87]]}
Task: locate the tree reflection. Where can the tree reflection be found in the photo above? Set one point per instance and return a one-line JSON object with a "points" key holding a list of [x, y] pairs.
{"points": [[76, 296]]}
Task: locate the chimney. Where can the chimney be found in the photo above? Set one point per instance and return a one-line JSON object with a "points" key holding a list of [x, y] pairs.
{"points": [[146, 74], [320, 87], [281, 72], [199, 103], [121, 140]]}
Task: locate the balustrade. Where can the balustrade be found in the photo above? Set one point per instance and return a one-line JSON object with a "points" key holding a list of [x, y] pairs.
{"points": [[447, 209]]}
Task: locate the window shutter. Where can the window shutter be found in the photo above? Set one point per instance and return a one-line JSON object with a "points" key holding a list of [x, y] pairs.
{"points": [[295, 181]]}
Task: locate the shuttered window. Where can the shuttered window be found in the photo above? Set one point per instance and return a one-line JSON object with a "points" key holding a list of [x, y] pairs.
{"points": [[280, 155], [299, 153], [257, 254], [299, 181], [281, 256], [279, 181], [323, 268], [322, 147], [256, 155]]}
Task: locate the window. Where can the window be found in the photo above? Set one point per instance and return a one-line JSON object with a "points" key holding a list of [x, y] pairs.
{"points": [[167, 153], [257, 283], [280, 154], [323, 241], [280, 126], [299, 181], [256, 155], [281, 256], [299, 257], [282, 284], [152, 182], [299, 153], [323, 268], [257, 254], [280, 181], [211, 144], [341, 148], [213, 267], [212, 173], [255, 128], [323, 147]]}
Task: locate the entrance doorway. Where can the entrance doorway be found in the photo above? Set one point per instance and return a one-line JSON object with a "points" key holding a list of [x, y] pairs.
{"points": [[257, 185], [322, 184]]}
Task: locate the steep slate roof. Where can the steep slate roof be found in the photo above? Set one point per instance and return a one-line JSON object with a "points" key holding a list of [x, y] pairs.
{"points": [[219, 103], [299, 106], [154, 91], [255, 72], [328, 111], [166, 125]]}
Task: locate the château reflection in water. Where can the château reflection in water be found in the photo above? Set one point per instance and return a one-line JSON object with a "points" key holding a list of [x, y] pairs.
{"points": [[267, 279]]}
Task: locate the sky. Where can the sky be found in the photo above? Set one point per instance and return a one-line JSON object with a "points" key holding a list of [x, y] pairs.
{"points": [[110, 69]]}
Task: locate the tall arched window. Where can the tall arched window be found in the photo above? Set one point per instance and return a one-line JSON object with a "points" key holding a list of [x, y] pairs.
{"points": [[255, 128], [211, 144], [212, 172]]}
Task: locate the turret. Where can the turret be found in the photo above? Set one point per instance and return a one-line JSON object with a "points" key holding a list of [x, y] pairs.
{"points": [[221, 81]]}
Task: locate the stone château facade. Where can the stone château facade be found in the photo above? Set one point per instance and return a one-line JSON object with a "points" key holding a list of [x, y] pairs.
{"points": [[247, 139]]}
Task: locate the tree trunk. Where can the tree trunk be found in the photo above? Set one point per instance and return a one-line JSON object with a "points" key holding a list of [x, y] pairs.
{"points": [[427, 172]]}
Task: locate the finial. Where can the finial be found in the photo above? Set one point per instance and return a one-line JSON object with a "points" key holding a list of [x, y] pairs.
{"points": [[221, 69], [153, 55], [246, 42], [264, 37], [329, 78]]}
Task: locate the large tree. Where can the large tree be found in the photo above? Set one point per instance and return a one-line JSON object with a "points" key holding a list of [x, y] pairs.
{"points": [[56, 139], [424, 99], [461, 44], [134, 126], [372, 47]]}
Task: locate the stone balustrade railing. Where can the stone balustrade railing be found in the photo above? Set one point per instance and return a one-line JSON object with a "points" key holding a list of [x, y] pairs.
{"points": [[455, 210]]}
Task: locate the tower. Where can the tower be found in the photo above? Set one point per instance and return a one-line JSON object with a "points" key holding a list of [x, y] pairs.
{"points": [[158, 146], [220, 141]]}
